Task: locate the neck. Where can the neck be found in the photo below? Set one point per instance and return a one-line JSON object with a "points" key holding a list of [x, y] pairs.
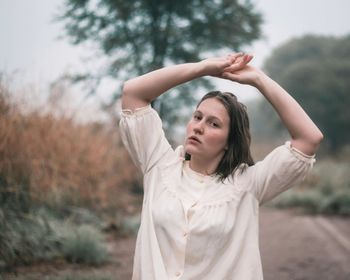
{"points": [[204, 166]]}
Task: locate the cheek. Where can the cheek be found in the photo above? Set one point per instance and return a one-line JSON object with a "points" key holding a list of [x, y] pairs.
{"points": [[218, 138], [188, 128]]}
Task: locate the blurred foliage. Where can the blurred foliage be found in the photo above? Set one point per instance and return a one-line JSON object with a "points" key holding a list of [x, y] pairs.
{"points": [[58, 162], [43, 234], [130, 224], [85, 245], [52, 169], [78, 277], [143, 35], [91, 275], [315, 70], [325, 191]]}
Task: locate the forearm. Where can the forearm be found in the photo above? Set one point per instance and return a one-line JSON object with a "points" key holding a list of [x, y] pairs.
{"points": [[140, 91], [304, 133]]}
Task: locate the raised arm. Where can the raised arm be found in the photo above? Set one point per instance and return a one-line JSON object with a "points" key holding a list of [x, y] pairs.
{"points": [[305, 135], [140, 91]]}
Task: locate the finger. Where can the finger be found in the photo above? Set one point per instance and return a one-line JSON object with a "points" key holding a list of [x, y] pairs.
{"points": [[234, 56], [230, 76], [240, 63], [236, 66], [225, 63], [247, 58], [229, 60]]}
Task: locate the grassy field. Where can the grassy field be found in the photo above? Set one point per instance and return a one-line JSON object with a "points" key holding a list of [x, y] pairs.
{"points": [[325, 191], [61, 184], [64, 184]]}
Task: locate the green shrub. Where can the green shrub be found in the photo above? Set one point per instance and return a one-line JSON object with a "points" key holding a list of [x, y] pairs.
{"points": [[309, 200], [43, 234], [76, 277], [85, 245], [95, 276], [130, 224], [325, 191], [336, 203], [25, 238]]}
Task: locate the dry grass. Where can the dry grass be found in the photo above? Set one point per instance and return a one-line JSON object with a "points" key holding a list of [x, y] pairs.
{"points": [[56, 160], [52, 168]]}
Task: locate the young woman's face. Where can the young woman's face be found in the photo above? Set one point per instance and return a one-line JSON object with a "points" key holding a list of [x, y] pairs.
{"points": [[207, 131]]}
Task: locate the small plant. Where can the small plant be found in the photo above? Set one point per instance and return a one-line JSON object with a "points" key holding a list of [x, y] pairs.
{"points": [[41, 234], [25, 238], [85, 245], [309, 200], [74, 276], [336, 203], [130, 224], [326, 191]]}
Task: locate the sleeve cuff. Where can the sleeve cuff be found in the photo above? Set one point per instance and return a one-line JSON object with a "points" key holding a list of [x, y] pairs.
{"points": [[299, 154], [137, 112]]}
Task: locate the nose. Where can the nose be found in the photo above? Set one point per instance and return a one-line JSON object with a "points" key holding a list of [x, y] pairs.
{"points": [[198, 127]]}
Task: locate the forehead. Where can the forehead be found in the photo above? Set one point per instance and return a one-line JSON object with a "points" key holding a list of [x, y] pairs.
{"points": [[214, 108]]}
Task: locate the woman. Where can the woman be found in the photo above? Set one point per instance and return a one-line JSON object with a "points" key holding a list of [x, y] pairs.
{"points": [[201, 201]]}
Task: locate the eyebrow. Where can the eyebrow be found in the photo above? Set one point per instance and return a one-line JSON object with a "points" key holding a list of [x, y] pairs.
{"points": [[209, 117]]}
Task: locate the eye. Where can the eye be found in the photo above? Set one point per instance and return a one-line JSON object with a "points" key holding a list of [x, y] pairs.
{"points": [[213, 124], [197, 117]]}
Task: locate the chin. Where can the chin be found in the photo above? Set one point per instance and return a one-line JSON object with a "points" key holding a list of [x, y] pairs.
{"points": [[188, 149]]}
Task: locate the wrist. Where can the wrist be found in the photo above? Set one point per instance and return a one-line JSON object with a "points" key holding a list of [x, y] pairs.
{"points": [[260, 80], [200, 69]]}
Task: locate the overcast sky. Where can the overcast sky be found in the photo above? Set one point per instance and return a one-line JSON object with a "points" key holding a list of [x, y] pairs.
{"points": [[30, 45]]}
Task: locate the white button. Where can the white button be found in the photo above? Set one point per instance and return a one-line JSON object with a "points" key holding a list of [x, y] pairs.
{"points": [[177, 274], [194, 204], [185, 234]]}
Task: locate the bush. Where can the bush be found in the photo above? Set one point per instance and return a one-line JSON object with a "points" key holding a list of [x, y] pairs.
{"points": [[336, 203], [130, 224], [50, 157], [325, 191], [85, 245], [40, 234], [73, 277], [27, 237], [309, 200]]}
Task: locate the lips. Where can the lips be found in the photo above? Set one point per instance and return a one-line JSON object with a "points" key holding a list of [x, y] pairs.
{"points": [[194, 138]]}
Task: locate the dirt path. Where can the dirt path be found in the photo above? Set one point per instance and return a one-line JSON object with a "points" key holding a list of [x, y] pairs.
{"points": [[293, 247], [298, 247]]}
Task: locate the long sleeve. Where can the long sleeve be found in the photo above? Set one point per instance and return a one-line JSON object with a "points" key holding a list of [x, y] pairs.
{"points": [[280, 170], [144, 138]]}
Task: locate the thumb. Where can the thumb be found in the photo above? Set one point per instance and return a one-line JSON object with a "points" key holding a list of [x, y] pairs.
{"points": [[231, 76]]}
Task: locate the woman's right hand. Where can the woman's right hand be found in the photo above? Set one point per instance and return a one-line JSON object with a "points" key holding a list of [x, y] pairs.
{"points": [[216, 66], [243, 73]]}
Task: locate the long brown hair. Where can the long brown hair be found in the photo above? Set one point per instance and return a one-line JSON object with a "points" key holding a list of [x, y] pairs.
{"points": [[239, 138]]}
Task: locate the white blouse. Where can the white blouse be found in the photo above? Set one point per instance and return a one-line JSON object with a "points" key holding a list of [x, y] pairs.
{"points": [[194, 227]]}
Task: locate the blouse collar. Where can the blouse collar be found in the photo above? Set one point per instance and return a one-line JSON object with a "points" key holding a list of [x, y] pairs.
{"points": [[196, 175]]}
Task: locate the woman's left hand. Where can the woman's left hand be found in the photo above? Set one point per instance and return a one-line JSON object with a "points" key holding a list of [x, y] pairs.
{"points": [[215, 66], [241, 72]]}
